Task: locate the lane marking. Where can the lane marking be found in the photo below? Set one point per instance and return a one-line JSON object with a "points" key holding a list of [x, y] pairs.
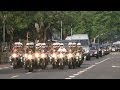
{"points": [[71, 76], [75, 74], [6, 67], [29, 73], [86, 69], [67, 78], [15, 76], [1, 68], [102, 61], [115, 66]]}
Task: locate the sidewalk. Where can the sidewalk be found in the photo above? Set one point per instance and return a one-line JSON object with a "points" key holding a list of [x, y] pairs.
{"points": [[4, 65]]}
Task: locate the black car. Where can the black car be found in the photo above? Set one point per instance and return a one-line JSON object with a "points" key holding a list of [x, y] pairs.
{"points": [[94, 52]]}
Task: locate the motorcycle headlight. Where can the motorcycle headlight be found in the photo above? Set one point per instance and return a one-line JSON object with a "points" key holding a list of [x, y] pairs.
{"points": [[54, 55], [95, 52], [30, 57], [99, 49], [61, 55], [25, 55], [86, 51], [37, 55], [77, 57], [69, 56], [14, 55], [43, 55]]}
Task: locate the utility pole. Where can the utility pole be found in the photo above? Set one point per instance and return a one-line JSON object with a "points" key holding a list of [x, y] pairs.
{"points": [[71, 31], [27, 36], [61, 30], [4, 18]]}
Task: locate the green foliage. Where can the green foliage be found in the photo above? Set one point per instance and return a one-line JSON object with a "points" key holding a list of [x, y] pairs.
{"points": [[93, 23]]}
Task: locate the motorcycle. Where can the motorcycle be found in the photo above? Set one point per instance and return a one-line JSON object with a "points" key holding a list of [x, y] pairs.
{"points": [[61, 61], [36, 60], [43, 61], [70, 61], [29, 63], [16, 61], [79, 59], [53, 60]]}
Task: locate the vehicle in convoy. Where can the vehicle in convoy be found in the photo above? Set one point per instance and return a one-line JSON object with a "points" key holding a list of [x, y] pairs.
{"points": [[117, 44], [106, 49], [16, 57], [29, 56], [94, 52], [113, 48], [85, 43]]}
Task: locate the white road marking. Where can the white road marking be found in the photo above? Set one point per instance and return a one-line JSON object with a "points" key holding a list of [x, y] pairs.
{"points": [[15, 76], [84, 70], [29, 73], [102, 61], [6, 67], [75, 74], [71, 76], [67, 78], [90, 67], [40, 70], [115, 66]]}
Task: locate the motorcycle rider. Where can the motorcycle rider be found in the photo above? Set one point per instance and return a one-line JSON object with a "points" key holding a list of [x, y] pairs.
{"points": [[62, 48]]}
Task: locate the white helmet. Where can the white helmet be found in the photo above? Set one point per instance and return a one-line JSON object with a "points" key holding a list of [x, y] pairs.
{"points": [[61, 44], [78, 44], [54, 44], [73, 43], [70, 43], [43, 44]]}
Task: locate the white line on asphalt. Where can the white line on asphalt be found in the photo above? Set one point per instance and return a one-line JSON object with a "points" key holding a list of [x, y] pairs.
{"points": [[102, 61], [90, 67], [15, 76], [84, 70], [115, 66], [5, 67], [75, 74], [29, 73], [1, 68], [71, 76], [67, 78]]}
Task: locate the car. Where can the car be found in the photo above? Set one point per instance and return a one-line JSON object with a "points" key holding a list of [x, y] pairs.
{"points": [[94, 52], [106, 49], [113, 48]]}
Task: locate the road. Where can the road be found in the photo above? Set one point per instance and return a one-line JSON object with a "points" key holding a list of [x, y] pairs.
{"points": [[107, 67]]}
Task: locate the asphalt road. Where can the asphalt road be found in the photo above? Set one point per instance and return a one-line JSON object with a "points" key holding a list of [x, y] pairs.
{"points": [[107, 67]]}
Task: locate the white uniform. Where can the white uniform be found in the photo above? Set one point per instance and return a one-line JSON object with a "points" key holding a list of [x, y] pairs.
{"points": [[62, 49]]}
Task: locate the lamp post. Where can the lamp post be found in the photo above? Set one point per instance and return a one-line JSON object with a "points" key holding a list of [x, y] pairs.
{"points": [[4, 18], [61, 30], [71, 31]]}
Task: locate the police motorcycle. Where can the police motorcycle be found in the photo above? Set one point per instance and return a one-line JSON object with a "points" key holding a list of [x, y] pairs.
{"points": [[74, 61], [53, 57], [29, 57], [70, 59], [79, 56], [37, 55], [70, 56], [43, 57], [16, 58], [61, 56]]}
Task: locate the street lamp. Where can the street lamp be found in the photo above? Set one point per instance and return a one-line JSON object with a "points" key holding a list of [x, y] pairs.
{"points": [[4, 18], [61, 30], [71, 31]]}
